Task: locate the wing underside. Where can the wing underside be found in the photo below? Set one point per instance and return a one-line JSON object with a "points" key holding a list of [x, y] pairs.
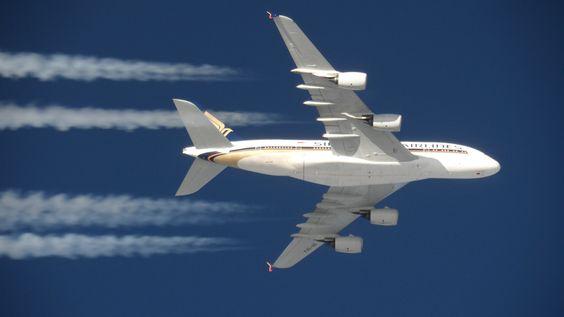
{"points": [[333, 101], [331, 215]]}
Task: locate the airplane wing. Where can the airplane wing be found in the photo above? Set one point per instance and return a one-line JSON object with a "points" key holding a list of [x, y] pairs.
{"points": [[332, 101], [331, 215]]}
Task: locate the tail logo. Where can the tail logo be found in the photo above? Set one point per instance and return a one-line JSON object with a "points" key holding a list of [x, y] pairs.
{"points": [[218, 124]]}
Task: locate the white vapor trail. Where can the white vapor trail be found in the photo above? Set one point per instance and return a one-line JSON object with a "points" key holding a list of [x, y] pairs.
{"points": [[88, 68], [14, 116], [39, 211], [72, 246]]}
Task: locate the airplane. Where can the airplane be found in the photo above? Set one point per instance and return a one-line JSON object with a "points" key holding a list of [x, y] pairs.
{"points": [[359, 158]]}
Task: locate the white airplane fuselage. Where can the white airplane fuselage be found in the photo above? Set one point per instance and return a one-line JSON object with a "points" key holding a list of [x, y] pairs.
{"points": [[314, 161]]}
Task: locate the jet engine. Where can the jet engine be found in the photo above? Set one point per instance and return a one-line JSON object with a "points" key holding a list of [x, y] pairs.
{"points": [[382, 122], [350, 244], [384, 216], [387, 122], [351, 80], [380, 216], [346, 80]]}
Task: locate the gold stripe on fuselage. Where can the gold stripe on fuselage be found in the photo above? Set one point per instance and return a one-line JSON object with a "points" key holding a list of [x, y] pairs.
{"points": [[233, 158]]}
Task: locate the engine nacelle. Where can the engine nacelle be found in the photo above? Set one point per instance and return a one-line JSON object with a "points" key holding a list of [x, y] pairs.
{"points": [[351, 80], [348, 244], [387, 122], [384, 216]]}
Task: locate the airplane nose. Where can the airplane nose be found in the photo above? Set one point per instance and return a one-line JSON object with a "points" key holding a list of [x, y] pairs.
{"points": [[492, 166]]}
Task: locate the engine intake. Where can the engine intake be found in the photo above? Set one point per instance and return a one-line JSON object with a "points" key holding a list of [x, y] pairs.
{"points": [[387, 122], [380, 216], [384, 216], [351, 80], [350, 244]]}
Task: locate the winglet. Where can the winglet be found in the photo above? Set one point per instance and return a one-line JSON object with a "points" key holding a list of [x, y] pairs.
{"points": [[269, 266], [270, 15]]}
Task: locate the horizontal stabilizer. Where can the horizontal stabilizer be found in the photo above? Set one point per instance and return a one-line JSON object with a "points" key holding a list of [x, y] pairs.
{"points": [[200, 173]]}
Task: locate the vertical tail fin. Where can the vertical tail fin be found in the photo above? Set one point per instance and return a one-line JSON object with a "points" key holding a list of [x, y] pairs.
{"points": [[203, 132]]}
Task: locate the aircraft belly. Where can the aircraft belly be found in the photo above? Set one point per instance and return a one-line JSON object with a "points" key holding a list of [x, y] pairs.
{"points": [[343, 171], [323, 167]]}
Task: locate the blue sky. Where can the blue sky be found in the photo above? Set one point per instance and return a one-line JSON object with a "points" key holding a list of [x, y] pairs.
{"points": [[487, 74]]}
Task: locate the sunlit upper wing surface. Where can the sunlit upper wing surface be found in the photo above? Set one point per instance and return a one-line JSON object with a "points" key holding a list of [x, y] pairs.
{"points": [[336, 100], [331, 215]]}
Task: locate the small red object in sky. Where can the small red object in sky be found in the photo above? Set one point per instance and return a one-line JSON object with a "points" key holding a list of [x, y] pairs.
{"points": [[269, 266], [269, 15]]}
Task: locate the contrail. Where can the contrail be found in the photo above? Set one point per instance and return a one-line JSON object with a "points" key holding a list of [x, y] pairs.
{"points": [[47, 67], [40, 211], [72, 246], [13, 116]]}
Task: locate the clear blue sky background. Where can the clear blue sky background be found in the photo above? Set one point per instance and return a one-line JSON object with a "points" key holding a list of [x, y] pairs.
{"points": [[488, 74]]}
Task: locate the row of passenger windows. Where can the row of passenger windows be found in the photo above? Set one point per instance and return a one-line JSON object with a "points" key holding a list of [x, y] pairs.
{"points": [[291, 147], [435, 147], [427, 145], [431, 147], [276, 148], [438, 150]]}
